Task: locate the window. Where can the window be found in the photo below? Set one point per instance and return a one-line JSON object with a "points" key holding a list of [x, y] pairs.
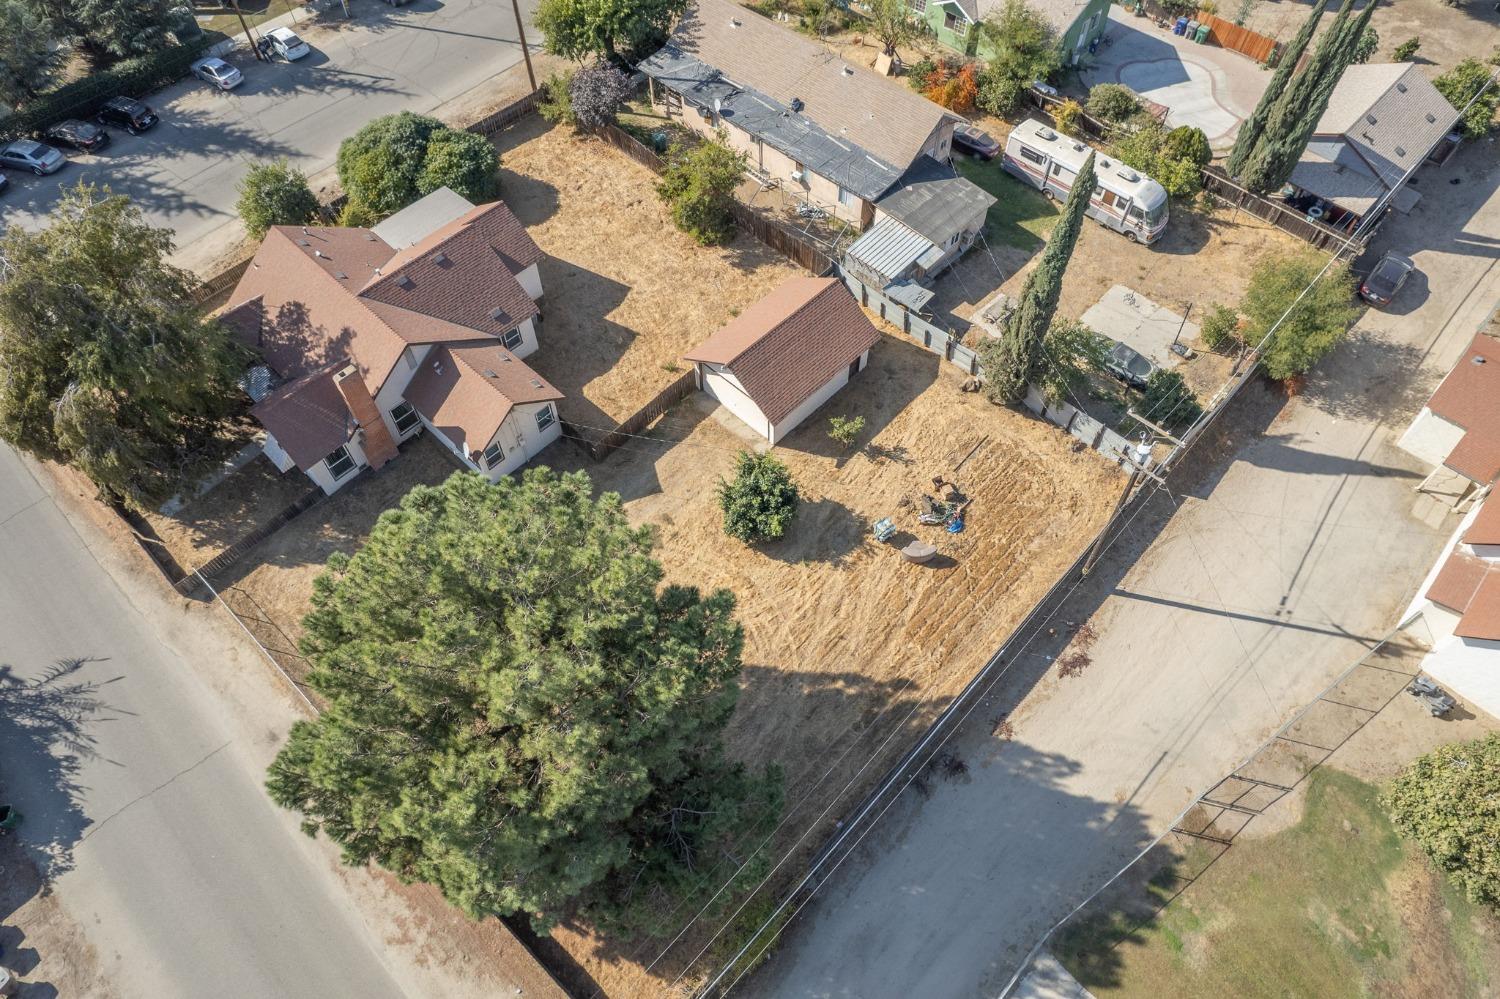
{"points": [[1033, 156], [511, 338], [404, 417], [952, 21], [920, 6], [545, 417], [848, 198], [340, 463], [493, 455], [410, 357]]}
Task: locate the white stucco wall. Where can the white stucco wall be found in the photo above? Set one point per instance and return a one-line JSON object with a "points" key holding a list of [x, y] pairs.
{"points": [[1430, 437], [279, 457], [320, 474], [808, 407], [720, 384], [531, 282], [518, 436], [528, 344]]}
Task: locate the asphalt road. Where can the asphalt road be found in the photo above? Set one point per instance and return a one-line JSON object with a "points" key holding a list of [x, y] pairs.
{"points": [[142, 795], [1229, 605], [184, 172]]}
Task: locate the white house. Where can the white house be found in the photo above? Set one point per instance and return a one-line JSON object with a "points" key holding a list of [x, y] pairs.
{"points": [[1458, 431], [367, 336], [775, 363]]}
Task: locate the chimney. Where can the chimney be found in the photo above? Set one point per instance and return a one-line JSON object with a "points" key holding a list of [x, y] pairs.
{"points": [[379, 446]]}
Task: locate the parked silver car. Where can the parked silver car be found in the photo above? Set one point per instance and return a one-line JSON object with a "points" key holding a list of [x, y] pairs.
{"points": [[27, 154], [218, 72]]}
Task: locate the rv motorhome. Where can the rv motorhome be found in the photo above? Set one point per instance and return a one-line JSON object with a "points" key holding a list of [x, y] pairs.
{"points": [[1123, 199]]}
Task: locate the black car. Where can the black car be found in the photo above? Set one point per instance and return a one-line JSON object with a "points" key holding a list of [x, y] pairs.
{"points": [[129, 114], [976, 142], [1386, 279], [78, 135]]}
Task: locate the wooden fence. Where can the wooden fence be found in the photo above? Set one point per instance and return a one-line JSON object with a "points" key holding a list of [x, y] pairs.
{"points": [[508, 115], [1278, 214], [778, 238], [221, 283], [236, 551], [1227, 34], [637, 421]]}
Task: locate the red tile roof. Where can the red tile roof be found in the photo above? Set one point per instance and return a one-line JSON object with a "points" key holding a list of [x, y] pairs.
{"points": [[1485, 527], [1482, 617], [791, 343], [1458, 581], [308, 417], [1470, 398], [466, 390]]}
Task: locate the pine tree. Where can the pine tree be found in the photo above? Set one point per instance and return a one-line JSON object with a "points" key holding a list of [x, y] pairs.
{"points": [[518, 712], [1017, 358], [1253, 128]]}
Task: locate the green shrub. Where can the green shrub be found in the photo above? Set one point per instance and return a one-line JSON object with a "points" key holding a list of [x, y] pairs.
{"points": [[1068, 117], [134, 77], [1445, 802], [556, 103], [1368, 42], [760, 501], [275, 194], [1169, 402], [1407, 49], [920, 73], [844, 430], [698, 184], [999, 94], [1174, 159], [1220, 326], [1460, 85], [462, 161], [1112, 102]]}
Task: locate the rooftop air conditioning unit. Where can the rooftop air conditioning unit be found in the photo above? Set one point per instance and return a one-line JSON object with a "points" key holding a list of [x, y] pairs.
{"points": [[797, 176], [1045, 134], [1129, 176]]}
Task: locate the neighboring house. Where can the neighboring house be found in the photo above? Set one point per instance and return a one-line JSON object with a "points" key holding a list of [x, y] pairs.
{"points": [[1382, 121], [920, 229], [775, 363], [368, 335], [1459, 602], [955, 23], [829, 133]]}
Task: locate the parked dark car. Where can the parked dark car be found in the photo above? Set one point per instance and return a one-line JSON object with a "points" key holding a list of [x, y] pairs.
{"points": [[128, 113], [1386, 279], [79, 135], [1128, 365], [26, 154], [976, 142]]}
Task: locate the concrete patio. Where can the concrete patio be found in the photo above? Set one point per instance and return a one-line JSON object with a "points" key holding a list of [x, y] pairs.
{"points": [[1202, 85]]}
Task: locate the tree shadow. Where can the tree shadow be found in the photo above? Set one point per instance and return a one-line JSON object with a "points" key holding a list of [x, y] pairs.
{"points": [[1370, 378], [823, 531]]}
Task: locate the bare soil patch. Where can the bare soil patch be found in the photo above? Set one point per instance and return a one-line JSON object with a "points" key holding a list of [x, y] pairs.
{"points": [[1449, 34], [626, 293]]}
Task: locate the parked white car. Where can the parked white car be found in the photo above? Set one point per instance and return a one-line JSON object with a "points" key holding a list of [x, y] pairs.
{"points": [[285, 43], [24, 154], [218, 72]]}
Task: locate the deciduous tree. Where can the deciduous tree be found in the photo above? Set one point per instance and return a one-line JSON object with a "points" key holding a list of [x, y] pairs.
{"points": [[396, 159], [1460, 84], [610, 29], [698, 183], [893, 24], [596, 95], [1019, 357], [518, 712], [1445, 802], [1020, 47], [107, 29], [108, 363], [275, 194], [1315, 323], [28, 56]]}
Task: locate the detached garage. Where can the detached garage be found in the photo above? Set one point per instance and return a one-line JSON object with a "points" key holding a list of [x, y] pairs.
{"points": [[786, 355]]}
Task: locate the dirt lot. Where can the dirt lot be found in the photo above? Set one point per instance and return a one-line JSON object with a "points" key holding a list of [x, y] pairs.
{"points": [[626, 293], [1449, 34], [245, 500]]}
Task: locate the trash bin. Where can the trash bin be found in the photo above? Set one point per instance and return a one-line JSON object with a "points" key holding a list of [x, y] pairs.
{"points": [[1190, 30], [1202, 34], [1180, 26]]}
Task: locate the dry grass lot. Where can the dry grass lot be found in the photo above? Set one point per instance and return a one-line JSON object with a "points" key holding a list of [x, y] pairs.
{"points": [[1449, 34], [626, 293]]}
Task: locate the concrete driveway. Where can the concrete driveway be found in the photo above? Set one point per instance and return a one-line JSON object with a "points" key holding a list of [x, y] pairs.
{"points": [[1229, 603], [184, 172], [1203, 86]]}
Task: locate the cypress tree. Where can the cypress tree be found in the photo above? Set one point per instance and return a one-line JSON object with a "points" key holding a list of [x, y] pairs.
{"points": [[1297, 112], [1016, 359], [1254, 127]]}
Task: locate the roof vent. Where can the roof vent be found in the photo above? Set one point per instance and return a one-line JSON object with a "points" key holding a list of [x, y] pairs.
{"points": [[1431, 118], [1400, 151], [318, 254], [506, 358], [848, 70], [304, 231], [303, 242], [498, 314], [341, 275], [536, 383], [369, 237], [1478, 359], [1401, 87], [402, 281], [734, 22], [490, 373], [797, 104], [440, 258], [1371, 119]]}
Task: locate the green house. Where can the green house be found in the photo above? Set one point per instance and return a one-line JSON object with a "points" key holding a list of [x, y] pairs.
{"points": [[1077, 23]]}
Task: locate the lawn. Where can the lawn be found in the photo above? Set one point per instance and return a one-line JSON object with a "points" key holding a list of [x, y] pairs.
{"points": [[1336, 905], [1022, 216]]}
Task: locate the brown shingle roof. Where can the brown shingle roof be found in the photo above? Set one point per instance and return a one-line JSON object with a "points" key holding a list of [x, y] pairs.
{"points": [[1457, 581], [308, 417], [1482, 617], [1485, 528], [881, 116], [467, 390], [1470, 398], [791, 343]]}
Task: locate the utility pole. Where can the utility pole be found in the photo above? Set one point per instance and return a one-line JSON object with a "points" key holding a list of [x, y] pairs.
{"points": [[515, 5], [248, 37], [1137, 464]]}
